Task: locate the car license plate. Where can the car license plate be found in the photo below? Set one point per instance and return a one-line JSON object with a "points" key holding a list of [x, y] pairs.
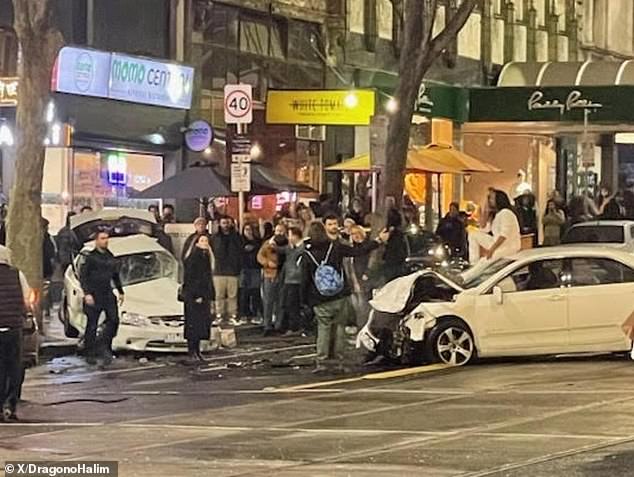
{"points": [[174, 338]]}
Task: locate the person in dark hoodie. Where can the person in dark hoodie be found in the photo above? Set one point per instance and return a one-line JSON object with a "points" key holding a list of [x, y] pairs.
{"points": [[395, 248], [227, 249], [326, 290], [14, 298], [452, 231], [250, 302]]}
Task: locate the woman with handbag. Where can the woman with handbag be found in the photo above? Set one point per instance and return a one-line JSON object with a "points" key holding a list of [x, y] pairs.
{"points": [[197, 294]]}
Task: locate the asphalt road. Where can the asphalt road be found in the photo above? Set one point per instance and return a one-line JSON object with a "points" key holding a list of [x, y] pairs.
{"points": [[268, 416]]}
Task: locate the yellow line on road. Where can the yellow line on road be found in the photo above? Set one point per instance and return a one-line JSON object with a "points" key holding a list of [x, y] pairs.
{"points": [[397, 373]]}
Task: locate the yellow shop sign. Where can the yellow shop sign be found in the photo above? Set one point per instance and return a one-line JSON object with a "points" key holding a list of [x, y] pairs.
{"points": [[327, 107]]}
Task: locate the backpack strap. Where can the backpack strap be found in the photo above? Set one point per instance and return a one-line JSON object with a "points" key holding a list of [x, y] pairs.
{"points": [[327, 257], [312, 257]]}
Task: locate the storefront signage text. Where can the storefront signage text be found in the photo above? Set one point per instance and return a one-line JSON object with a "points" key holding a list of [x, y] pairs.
{"points": [[320, 107], [8, 91], [101, 74], [574, 100]]}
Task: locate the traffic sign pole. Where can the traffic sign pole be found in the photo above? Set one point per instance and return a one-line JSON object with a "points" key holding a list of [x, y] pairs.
{"points": [[241, 129]]}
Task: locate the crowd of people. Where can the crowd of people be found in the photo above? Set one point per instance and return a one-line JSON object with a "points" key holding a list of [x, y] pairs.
{"points": [[277, 274]]}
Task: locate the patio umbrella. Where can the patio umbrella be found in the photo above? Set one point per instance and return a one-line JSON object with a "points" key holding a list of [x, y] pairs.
{"points": [[196, 182], [451, 157], [416, 162], [268, 178]]}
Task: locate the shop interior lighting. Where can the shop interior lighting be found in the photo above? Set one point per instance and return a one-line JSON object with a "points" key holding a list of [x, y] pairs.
{"points": [[351, 100], [50, 112], [624, 138], [56, 134], [6, 136], [207, 151]]}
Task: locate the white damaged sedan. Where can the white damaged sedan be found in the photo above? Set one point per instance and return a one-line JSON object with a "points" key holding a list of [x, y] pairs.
{"points": [[151, 319], [554, 300]]}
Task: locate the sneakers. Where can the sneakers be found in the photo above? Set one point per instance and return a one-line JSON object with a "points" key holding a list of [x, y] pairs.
{"points": [[9, 415], [320, 369], [256, 320], [217, 321]]}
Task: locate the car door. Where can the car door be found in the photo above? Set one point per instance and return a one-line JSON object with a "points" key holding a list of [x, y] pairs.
{"points": [[533, 315], [75, 295], [601, 298]]}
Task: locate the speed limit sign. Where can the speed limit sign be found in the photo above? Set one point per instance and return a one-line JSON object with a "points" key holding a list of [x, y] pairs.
{"points": [[238, 104]]}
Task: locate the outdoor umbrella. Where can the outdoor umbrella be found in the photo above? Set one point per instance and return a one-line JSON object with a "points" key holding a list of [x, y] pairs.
{"points": [[196, 182], [447, 155], [268, 178], [416, 162]]}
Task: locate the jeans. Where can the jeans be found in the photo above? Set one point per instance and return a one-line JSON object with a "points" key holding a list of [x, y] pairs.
{"points": [[250, 302], [332, 318], [10, 368], [226, 296], [291, 308], [271, 302], [108, 305]]}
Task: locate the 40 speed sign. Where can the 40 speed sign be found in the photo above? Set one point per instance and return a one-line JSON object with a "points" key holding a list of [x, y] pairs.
{"points": [[238, 104]]}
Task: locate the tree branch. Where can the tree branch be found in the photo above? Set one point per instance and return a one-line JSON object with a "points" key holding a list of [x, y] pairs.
{"points": [[452, 28]]}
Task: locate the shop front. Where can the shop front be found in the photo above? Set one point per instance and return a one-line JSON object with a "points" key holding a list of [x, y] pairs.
{"points": [[564, 126], [116, 127]]}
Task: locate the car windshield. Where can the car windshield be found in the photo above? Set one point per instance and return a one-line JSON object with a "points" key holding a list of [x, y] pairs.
{"points": [[143, 267], [492, 269], [595, 234]]}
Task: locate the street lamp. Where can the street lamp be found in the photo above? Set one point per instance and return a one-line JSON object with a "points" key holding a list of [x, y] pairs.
{"points": [[351, 100], [391, 106]]}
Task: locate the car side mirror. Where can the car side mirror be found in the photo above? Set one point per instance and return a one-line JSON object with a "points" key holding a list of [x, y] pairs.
{"points": [[498, 294]]}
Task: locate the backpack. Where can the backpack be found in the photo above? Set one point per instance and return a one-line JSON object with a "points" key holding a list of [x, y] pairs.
{"points": [[328, 280]]}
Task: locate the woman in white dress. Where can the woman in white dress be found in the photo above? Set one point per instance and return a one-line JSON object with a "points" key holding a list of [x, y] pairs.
{"points": [[504, 238]]}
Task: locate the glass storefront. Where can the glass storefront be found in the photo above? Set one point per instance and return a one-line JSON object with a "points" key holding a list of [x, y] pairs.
{"points": [[75, 178]]}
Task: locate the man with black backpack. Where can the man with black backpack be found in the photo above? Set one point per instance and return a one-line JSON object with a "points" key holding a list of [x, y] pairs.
{"points": [[325, 289]]}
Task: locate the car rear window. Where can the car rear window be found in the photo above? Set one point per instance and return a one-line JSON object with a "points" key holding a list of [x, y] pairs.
{"points": [[595, 234]]}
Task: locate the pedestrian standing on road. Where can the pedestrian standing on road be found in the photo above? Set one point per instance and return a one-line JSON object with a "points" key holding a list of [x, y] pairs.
{"points": [[99, 272], [65, 244], [554, 220], [14, 305], [48, 266], [198, 293], [271, 262], [395, 248], [359, 277], [251, 276], [3, 224], [226, 246], [154, 210], [293, 320], [327, 291], [200, 228]]}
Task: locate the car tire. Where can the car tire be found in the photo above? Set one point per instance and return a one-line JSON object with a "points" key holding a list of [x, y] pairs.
{"points": [[450, 342], [69, 330]]}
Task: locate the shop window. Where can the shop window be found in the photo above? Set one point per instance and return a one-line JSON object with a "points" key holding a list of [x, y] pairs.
{"points": [[307, 166], [261, 36], [304, 41], [219, 24], [8, 53]]}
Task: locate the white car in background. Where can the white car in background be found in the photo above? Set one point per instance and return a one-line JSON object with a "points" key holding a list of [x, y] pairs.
{"points": [[151, 319], [612, 233], [553, 300]]}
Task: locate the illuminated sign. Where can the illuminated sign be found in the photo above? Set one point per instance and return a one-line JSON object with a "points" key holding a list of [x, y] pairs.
{"points": [[117, 169], [320, 107], [8, 91], [87, 72]]}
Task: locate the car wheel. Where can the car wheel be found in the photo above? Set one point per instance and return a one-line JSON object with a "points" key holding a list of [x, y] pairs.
{"points": [[69, 330], [451, 342]]}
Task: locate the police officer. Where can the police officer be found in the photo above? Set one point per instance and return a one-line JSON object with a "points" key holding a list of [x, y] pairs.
{"points": [[14, 303], [98, 273]]}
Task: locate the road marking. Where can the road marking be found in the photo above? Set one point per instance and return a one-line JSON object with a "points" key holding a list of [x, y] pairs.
{"points": [[209, 370], [397, 373], [54, 424]]}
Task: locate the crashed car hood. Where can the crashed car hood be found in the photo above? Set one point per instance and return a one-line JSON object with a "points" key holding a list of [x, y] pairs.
{"points": [[393, 297], [153, 298]]}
